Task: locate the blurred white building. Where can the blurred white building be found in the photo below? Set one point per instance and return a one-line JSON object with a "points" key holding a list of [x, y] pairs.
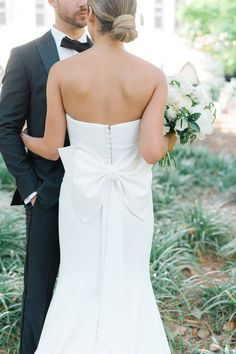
{"points": [[157, 15], [21, 21], [158, 41]]}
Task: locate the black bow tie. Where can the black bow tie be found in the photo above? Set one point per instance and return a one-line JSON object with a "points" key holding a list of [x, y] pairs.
{"points": [[73, 44]]}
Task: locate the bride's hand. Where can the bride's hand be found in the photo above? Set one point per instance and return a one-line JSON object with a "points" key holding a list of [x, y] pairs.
{"points": [[24, 136], [171, 141]]}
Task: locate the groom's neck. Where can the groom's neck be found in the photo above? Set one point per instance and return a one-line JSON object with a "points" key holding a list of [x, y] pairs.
{"points": [[69, 30]]}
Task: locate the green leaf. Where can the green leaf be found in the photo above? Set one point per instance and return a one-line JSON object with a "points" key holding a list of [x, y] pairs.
{"points": [[195, 116], [175, 83], [195, 127]]}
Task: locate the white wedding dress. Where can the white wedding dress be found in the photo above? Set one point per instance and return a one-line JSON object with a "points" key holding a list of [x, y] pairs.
{"points": [[104, 302]]}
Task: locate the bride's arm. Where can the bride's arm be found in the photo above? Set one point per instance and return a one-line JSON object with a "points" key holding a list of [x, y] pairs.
{"points": [[153, 145], [55, 125]]}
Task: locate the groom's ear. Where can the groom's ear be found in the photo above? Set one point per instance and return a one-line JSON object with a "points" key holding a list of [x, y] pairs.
{"points": [[52, 3]]}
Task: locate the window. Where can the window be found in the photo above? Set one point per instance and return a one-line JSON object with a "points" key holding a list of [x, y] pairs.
{"points": [[3, 17], [141, 20], [158, 19], [39, 19], [40, 13], [39, 6]]}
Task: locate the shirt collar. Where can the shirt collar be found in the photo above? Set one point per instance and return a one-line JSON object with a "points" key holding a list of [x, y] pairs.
{"points": [[58, 35]]}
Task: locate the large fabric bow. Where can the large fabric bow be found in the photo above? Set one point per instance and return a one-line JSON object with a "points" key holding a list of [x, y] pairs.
{"points": [[89, 178]]}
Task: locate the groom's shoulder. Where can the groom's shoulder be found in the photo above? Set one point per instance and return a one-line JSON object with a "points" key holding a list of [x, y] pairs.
{"points": [[30, 47]]}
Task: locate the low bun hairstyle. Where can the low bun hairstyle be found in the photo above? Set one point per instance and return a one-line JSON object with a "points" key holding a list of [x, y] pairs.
{"points": [[116, 17]]}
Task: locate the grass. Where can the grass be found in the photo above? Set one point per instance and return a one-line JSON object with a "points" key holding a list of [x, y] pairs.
{"points": [[6, 180], [193, 237], [12, 252], [193, 259]]}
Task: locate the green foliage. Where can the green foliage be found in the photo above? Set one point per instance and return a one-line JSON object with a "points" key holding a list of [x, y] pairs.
{"points": [[197, 170], [211, 25], [6, 180], [186, 233], [12, 253], [206, 232]]}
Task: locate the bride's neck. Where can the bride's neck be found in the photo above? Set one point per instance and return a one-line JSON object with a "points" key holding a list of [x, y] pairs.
{"points": [[106, 42]]}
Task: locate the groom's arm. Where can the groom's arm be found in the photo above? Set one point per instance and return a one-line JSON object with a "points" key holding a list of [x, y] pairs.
{"points": [[14, 106]]}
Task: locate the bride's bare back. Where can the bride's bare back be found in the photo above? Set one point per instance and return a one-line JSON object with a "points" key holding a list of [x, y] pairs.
{"points": [[109, 88]]}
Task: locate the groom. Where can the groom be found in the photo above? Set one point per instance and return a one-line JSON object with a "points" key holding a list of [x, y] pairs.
{"points": [[23, 99]]}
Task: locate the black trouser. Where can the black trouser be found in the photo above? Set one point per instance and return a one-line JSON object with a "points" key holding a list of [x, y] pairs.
{"points": [[41, 268]]}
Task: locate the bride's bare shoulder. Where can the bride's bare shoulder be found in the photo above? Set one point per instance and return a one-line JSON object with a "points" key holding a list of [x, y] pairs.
{"points": [[63, 67]]}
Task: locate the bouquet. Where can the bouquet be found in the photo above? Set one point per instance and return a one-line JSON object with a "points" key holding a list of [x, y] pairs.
{"points": [[189, 113]]}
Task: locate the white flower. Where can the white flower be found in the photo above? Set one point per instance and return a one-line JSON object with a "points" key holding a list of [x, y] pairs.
{"points": [[196, 109], [201, 96], [186, 88], [181, 124], [205, 123], [186, 102], [171, 113], [166, 130], [174, 96]]}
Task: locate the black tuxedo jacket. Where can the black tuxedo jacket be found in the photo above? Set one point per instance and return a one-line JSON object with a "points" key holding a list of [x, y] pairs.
{"points": [[23, 98]]}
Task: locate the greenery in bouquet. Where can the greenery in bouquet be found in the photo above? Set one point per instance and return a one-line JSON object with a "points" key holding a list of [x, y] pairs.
{"points": [[189, 113]]}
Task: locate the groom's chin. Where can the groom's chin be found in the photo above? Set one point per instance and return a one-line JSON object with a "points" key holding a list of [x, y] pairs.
{"points": [[81, 21]]}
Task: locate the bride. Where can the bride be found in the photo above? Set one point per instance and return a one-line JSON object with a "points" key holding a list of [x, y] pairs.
{"points": [[112, 104]]}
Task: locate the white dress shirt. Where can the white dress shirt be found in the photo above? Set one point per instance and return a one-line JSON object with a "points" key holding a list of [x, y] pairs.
{"points": [[63, 53]]}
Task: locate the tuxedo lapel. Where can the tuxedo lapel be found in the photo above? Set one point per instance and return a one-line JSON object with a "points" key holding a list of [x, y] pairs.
{"points": [[48, 50]]}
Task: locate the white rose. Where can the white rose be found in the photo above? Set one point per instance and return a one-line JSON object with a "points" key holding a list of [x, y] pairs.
{"points": [[201, 96], [171, 113], [181, 124], [186, 88], [186, 102], [166, 130], [174, 96], [196, 109], [205, 123]]}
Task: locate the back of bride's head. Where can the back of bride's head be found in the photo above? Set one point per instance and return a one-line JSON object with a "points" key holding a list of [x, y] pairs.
{"points": [[116, 17]]}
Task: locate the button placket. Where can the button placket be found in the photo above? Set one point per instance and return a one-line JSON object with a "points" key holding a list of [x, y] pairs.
{"points": [[109, 145], [111, 175]]}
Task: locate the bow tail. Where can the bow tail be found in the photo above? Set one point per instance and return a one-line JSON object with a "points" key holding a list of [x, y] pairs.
{"points": [[111, 327]]}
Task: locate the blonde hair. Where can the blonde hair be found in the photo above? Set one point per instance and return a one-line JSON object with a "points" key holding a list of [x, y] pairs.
{"points": [[116, 17]]}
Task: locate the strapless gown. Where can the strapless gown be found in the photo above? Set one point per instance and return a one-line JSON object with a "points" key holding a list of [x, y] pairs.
{"points": [[103, 302]]}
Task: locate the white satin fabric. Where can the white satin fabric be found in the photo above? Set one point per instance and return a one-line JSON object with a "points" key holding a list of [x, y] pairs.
{"points": [[104, 302]]}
